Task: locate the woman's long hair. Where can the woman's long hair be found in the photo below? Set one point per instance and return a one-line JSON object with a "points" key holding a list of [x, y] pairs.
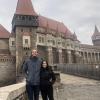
{"points": [[48, 67]]}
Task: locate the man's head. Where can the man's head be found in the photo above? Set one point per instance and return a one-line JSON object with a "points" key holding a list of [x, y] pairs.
{"points": [[34, 53]]}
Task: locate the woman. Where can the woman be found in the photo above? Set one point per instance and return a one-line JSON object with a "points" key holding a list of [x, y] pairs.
{"points": [[47, 79]]}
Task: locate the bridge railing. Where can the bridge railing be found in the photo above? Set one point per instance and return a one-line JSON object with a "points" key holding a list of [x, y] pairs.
{"points": [[18, 91], [13, 92], [85, 70]]}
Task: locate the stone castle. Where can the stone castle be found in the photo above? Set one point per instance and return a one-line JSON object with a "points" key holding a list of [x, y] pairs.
{"points": [[53, 40]]}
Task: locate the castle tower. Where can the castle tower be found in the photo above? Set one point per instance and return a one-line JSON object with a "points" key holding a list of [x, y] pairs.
{"points": [[24, 24], [96, 37]]}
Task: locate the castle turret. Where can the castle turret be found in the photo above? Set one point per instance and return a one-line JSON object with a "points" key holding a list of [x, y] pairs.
{"points": [[74, 37], [96, 37], [24, 15], [25, 20]]}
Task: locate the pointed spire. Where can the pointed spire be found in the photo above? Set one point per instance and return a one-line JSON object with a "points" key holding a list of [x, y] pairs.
{"points": [[74, 33], [24, 7], [96, 33], [74, 36], [96, 29]]}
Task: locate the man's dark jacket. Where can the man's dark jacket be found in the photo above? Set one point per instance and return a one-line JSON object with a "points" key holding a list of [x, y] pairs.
{"points": [[31, 68]]}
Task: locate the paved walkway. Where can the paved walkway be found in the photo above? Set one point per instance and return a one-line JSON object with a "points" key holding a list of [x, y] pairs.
{"points": [[77, 88]]}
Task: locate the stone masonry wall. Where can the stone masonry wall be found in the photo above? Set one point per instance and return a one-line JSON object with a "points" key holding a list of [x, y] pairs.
{"points": [[4, 44], [7, 70]]}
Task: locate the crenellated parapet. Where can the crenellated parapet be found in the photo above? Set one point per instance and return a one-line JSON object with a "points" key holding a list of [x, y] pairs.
{"points": [[7, 58]]}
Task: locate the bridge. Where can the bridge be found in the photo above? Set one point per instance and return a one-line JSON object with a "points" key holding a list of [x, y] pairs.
{"points": [[70, 88]]}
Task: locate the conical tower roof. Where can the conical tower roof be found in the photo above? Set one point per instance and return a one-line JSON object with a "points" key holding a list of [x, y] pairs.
{"points": [[25, 7], [74, 36], [96, 30], [96, 33]]}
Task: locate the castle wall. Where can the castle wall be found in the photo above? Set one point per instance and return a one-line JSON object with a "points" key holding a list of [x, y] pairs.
{"points": [[4, 43], [7, 70]]}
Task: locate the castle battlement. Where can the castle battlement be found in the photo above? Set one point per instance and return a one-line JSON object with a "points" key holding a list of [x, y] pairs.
{"points": [[7, 58]]}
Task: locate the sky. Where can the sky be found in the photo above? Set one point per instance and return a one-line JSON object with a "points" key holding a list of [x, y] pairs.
{"points": [[80, 16]]}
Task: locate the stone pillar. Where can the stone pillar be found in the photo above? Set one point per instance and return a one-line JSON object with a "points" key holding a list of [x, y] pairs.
{"points": [[50, 55], [95, 58], [77, 57], [33, 39], [87, 57], [83, 57], [91, 57], [69, 56], [60, 56], [80, 58], [96, 54], [98, 57]]}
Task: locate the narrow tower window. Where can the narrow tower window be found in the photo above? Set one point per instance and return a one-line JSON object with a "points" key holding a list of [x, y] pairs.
{"points": [[13, 43], [26, 41]]}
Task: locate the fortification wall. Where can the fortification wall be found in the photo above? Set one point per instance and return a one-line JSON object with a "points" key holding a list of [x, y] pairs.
{"points": [[4, 44], [7, 70]]}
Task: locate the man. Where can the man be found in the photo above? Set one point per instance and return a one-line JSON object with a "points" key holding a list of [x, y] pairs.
{"points": [[31, 68]]}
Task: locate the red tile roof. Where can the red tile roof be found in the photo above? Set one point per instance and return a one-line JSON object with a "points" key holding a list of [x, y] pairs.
{"points": [[53, 25], [24, 7], [43, 22], [3, 32]]}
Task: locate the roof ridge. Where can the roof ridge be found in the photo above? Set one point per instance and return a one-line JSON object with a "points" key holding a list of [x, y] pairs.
{"points": [[59, 26]]}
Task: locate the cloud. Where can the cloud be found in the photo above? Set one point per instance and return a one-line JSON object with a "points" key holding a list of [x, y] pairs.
{"points": [[78, 15]]}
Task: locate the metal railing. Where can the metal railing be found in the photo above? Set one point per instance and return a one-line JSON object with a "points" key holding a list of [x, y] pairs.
{"points": [[85, 70]]}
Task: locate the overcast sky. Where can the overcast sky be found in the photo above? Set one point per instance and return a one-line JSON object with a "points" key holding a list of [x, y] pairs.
{"points": [[78, 15]]}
